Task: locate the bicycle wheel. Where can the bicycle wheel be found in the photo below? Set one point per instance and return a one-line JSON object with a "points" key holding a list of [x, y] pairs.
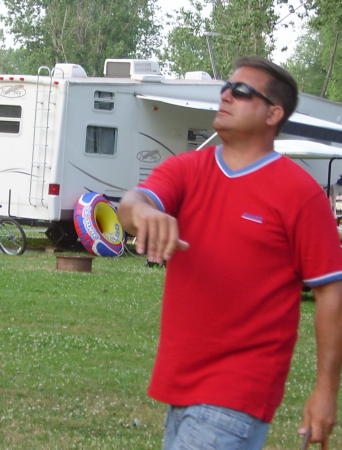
{"points": [[12, 237]]}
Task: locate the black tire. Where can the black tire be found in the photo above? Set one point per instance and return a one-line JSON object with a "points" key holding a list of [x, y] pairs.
{"points": [[12, 237]]}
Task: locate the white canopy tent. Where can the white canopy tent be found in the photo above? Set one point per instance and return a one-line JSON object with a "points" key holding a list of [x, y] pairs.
{"points": [[300, 148]]}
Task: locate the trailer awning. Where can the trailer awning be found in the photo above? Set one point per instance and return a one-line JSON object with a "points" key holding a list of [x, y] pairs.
{"points": [[185, 103], [298, 124]]}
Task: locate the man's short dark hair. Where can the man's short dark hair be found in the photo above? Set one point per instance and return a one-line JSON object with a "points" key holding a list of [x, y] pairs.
{"points": [[282, 89]]}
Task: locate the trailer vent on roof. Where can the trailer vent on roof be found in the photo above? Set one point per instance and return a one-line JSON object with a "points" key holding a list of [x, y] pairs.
{"points": [[146, 67], [139, 69], [115, 69], [68, 70], [197, 75]]}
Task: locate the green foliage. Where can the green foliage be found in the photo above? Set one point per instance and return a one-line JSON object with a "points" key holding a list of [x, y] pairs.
{"points": [[327, 13], [245, 27], [306, 66], [186, 47], [332, 58], [239, 27], [317, 63], [82, 31], [311, 61], [11, 61]]}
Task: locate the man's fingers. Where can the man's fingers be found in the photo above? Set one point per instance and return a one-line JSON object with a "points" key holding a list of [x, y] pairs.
{"points": [[157, 235], [182, 245], [165, 231], [325, 444], [309, 438], [141, 238], [306, 433], [321, 428], [152, 240], [319, 417], [318, 432], [304, 428], [170, 242]]}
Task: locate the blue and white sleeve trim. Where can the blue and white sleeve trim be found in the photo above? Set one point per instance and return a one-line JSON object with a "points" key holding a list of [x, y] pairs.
{"points": [[325, 279], [156, 200]]}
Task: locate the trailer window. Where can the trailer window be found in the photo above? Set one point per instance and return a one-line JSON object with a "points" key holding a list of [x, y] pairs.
{"points": [[9, 127], [197, 136], [101, 140], [10, 112], [104, 100]]}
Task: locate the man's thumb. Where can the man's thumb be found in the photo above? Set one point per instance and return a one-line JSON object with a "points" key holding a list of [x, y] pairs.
{"points": [[182, 245]]}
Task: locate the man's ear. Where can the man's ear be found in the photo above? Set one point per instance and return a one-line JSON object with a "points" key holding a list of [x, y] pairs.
{"points": [[275, 115]]}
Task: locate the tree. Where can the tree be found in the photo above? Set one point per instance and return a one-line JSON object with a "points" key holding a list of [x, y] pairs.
{"points": [[332, 60], [11, 60], [317, 63], [237, 27], [305, 65], [82, 31], [327, 20], [186, 48]]}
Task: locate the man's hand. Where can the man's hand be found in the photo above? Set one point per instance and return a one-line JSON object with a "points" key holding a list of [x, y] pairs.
{"points": [[157, 233], [320, 416], [320, 412]]}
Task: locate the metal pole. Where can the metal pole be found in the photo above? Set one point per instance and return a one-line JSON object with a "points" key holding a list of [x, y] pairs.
{"points": [[213, 136], [329, 175], [212, 53]]}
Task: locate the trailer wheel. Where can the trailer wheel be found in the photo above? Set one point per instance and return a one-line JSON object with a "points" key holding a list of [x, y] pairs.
{"points": [[12, 237], [98, 226]]}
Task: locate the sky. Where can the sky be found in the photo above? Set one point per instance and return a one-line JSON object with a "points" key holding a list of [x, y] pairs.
{"points": [[285, 37]]}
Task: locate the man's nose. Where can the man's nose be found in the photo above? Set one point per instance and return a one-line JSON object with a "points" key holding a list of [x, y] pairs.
{"points": [[226, 95]]}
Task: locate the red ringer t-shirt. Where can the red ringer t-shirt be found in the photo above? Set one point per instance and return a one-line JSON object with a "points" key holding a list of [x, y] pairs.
{"points": [[231, 302]]}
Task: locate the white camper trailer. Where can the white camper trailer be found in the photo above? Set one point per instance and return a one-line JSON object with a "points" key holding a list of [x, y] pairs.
{"points": [[63, 134]]}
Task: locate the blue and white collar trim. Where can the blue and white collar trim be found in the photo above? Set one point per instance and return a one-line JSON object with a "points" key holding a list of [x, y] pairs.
{"points": [[269, 158]]}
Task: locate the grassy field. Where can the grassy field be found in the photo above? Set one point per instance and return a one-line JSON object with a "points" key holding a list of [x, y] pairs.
{"points": [[76, 350]]}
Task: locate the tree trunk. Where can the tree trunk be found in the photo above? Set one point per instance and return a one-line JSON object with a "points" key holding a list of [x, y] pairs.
{"points": [[331, 66]]}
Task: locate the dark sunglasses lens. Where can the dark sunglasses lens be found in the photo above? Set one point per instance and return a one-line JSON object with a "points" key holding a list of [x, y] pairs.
{"points": [[225, 87], [242, 90], [238, 89]]}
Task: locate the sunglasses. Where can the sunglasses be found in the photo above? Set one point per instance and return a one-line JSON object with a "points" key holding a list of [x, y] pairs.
{"points": [[243, 90]]}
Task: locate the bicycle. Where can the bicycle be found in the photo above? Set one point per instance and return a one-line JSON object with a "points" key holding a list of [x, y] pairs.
{"points": [[12, 237]]}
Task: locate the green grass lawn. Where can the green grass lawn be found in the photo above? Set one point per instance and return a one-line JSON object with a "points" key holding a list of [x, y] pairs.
{"points": [[76, 350]]}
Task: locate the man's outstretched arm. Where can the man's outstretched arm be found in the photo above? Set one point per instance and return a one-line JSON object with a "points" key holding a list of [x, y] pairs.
{"points": [[156, 232], [320, 412]]}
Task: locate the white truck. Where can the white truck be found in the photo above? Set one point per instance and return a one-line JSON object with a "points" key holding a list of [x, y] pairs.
{"points": [[63, 134]]}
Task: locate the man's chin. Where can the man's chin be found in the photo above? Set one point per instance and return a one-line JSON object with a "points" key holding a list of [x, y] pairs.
{"points": [[216, 124], [219, 126]]}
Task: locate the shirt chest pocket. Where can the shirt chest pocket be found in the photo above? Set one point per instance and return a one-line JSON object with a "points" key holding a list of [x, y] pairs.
{"points": [[258, 229]]}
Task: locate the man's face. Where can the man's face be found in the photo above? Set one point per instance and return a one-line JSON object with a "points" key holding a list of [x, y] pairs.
{"points": [[242, 114]]}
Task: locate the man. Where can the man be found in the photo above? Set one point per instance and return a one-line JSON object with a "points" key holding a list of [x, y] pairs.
{"points": [[252, 227]]}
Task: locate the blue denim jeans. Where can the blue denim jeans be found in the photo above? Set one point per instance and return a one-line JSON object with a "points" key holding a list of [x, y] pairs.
{"points": [[206, 427]]}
